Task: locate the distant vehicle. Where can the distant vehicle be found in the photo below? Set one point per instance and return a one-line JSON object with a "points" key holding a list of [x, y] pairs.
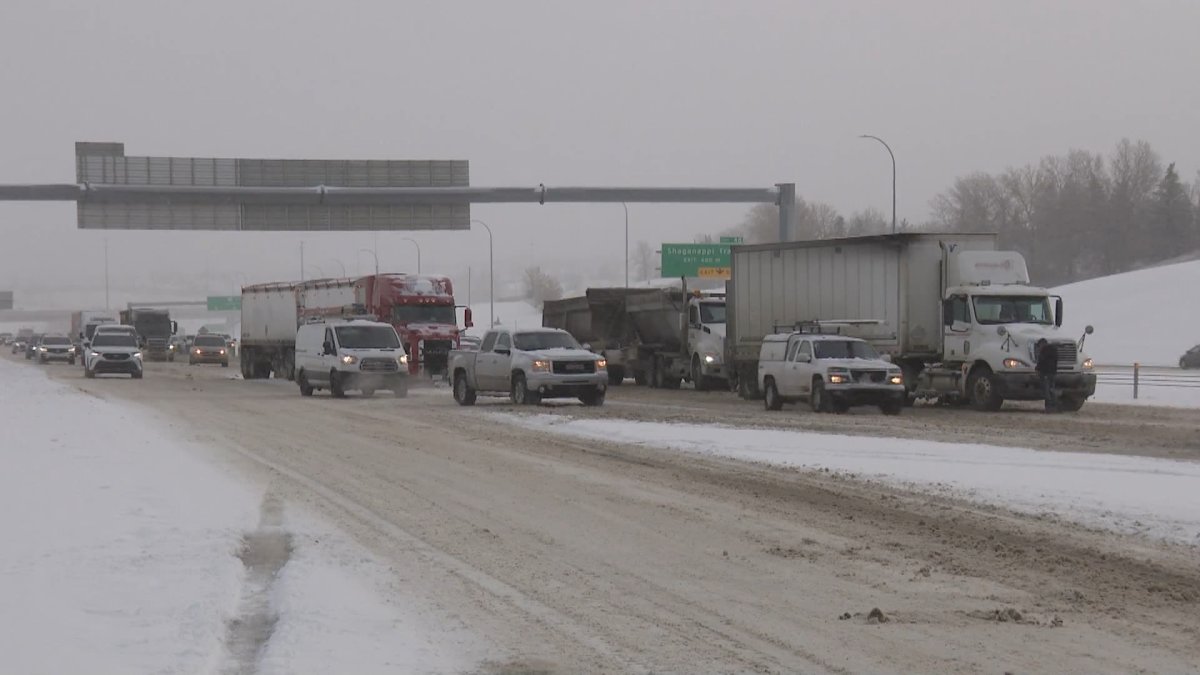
{"points": [[115, 329], [344, 354], [32, 345], [959, 317], [1191, 359], [56, 348], [114, 352], [528, 366], [209, 349], [18, 345], [154, 328], [469, 342], [84, 322], [5, 338], [177, 345], [831, 372], [659, 336]]}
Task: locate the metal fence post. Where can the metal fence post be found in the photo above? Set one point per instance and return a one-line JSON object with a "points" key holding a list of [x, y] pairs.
{"points": [[1137, 367]]}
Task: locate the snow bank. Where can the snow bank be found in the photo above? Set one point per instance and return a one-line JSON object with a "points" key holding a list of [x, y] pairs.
{"points": [[120, 555], [1138, 315], [1156, 497], [119, 552]]}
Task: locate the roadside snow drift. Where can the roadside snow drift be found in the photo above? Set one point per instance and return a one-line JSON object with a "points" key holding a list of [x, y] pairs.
{"points": [[121, 555], [1136, 314], [1156, 497]]}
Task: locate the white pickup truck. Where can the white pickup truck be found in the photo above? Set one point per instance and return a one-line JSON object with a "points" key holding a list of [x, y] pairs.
{"points": [[528, 366]]}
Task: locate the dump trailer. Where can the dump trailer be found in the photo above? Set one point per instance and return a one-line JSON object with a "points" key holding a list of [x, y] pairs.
{"points": [[959, 317], [154, 329], [599, 320], [84, 322]]}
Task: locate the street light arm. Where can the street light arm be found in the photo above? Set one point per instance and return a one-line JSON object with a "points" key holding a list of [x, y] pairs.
{"points": [[893, 156], [491, 275]]}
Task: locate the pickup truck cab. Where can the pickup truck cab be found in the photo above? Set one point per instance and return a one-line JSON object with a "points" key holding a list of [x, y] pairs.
{"points": [[345, 354], [528, 366], [831, 372]]}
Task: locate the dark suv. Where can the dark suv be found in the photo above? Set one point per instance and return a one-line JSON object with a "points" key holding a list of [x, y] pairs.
{"points": [[1190, 359]]}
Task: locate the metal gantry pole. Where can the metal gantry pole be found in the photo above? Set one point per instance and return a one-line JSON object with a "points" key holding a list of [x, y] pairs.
{"points": [[626, 207], [491, 275], [106, 303], [893, 156]]}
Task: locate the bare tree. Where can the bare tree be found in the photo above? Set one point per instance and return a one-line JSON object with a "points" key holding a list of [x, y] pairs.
{"points": [[540, 286], [643, 261]]}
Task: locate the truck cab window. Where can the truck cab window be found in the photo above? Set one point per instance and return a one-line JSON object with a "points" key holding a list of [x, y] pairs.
{"points": [[694, 315], [960, 311], [489, 341], [504, 342]]}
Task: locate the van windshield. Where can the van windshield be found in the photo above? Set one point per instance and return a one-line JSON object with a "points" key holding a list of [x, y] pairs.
{"points": [[367, 337]]}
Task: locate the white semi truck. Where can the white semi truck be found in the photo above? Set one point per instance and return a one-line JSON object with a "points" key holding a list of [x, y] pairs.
{"points": [[958, 316]]}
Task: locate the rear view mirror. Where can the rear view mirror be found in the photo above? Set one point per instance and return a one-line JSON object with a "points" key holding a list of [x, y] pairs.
{"points": [[1058, 312]]}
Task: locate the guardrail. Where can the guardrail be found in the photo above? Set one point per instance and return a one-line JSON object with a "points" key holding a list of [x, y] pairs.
{"points": [[1138, 377]]}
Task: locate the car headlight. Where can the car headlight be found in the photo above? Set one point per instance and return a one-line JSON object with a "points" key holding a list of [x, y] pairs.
{"points": [[41, 349], [709, 358], [170, 348], [839, 376], [540, 366], [222, 352], [601, 364], [1088, 364], [349, 360], [895, 377], [137, 355], [403, 359], [94, 355], [196, 352], [1015, 363]]}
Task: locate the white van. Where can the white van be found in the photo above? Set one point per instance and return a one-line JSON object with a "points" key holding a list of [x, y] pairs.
{"points": [[340, 355]]}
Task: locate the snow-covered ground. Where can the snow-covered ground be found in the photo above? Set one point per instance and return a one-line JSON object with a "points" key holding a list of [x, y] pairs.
{"points": [[1156, 497], [1137, 316], [121, 548]]}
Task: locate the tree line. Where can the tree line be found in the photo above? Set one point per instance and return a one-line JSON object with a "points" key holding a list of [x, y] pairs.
{"points": [[1073, 216]]}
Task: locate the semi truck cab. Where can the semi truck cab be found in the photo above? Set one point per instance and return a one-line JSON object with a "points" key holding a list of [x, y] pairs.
{"points": [[992, 321]]}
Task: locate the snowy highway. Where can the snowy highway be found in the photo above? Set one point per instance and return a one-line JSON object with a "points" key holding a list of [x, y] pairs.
{"points": [[497, 546]]}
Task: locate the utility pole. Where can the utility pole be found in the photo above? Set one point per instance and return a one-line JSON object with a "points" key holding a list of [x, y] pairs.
{"points": [[301, 261], [624, 206], [106, 303]]}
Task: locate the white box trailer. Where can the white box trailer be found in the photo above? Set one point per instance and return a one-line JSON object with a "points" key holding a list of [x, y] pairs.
{"points": [[269, 321], [924, 299]]}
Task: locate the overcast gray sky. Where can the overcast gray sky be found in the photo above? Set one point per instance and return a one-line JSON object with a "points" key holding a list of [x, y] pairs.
{"points": [[600, 93]]}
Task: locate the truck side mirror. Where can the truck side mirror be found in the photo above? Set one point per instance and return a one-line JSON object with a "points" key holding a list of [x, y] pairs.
{"points": [[1058, 312], [174, 327], [467, 320]]}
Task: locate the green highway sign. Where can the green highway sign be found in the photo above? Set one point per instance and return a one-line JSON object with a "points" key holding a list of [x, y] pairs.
{"points": [[705, 261], [224, 303], [731, 240]]}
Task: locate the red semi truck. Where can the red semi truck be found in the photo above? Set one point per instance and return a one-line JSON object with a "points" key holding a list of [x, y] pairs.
{"points": [[421, 307]]}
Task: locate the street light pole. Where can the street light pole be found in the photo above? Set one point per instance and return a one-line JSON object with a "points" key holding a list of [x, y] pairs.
{"points": [[301, 261], [889, 149], [340, 264], [414, 243], [491, 275], [106, 305], [624, 206]]}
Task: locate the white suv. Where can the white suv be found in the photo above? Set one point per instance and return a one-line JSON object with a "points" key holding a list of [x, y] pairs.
{"points": [[113, 352], [831, 372], [350, 354]]}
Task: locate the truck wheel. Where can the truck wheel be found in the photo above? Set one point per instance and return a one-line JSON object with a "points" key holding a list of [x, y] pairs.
{"points": [[463, 393], [771, 399], [520, 392], [1070, 403], [698, 380], [639, 378], [820, 399], [335, 385], [306, 389], [982, 390], [594, 398], [616, 376]]}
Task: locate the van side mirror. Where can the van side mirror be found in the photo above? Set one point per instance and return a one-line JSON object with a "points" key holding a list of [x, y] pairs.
{"points": [[467, 320], [328, 347], [1058, 312]]}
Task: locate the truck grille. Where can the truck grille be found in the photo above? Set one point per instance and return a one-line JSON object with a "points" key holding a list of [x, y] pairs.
{"points": [[876, 376], [379, 366], [1067, 354], [573, 367], [115, 357], [437, 346]]}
